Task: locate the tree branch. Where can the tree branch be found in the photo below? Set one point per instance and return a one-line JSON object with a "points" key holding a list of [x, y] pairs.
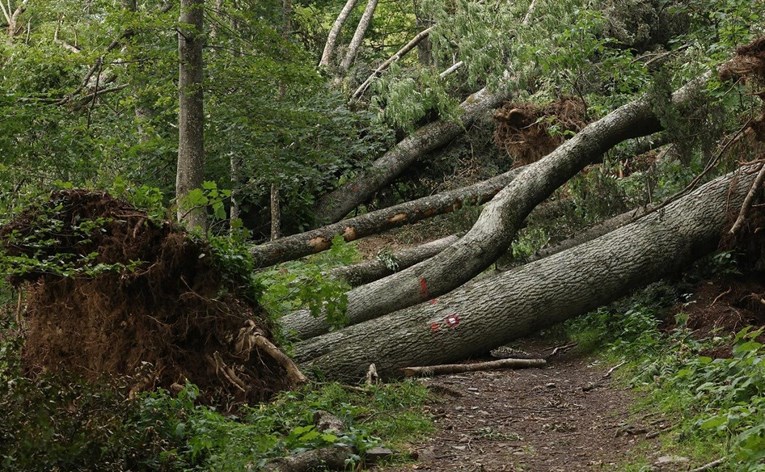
{"points": [[398, 55]]}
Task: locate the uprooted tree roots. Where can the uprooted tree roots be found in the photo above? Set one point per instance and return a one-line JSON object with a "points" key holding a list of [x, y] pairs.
{"points": [[525, 131], [166, 320]]}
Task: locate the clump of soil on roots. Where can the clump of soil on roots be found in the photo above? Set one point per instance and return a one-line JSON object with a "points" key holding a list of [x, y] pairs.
{"points": [[168, 321], [522, 129], [748, 66], [727, 303]]}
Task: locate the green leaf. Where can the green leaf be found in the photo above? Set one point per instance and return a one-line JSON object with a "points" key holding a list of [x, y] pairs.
{"points": [[713, 422]]}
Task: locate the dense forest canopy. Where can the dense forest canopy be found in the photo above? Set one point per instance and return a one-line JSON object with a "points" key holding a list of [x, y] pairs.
{"points": [[90, 92]]}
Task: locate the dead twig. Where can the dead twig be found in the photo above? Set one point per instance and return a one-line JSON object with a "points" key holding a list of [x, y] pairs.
{"points": [[710, 465], [561, 349], [612, 369], [720, 296]]}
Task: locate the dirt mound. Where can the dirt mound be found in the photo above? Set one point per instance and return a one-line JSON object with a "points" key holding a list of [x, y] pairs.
{"points": [[524, 130], [165, 318], [749, 63], [748, 66], [726, 305]]}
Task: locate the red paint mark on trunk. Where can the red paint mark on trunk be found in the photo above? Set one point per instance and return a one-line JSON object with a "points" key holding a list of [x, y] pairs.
{"points": [[424, 288], [435, 327], [453, 320], [434, 301]]}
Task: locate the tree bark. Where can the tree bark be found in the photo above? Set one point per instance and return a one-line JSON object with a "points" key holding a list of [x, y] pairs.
{"points": [[375, 269], [358, 37], [276, 213], [190, 170], [338, 203], [329, 46], [485, 314], [499, 221], [12, 16], [443, 369], [320, 239]]}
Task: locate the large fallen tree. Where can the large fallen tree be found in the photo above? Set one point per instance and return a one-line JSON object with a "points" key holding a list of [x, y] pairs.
{"points": [[338, 203], [320, 239], [499, 221], [485, 314]]}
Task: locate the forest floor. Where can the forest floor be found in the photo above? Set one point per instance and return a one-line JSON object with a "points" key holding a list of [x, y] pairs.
{"points": [[567, 416]]}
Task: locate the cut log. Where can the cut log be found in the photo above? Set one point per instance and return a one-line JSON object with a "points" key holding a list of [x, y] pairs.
{"points": [[320, 239], [444, 369], [499, 221], [513, 304], [375, 269], [338, 203]]}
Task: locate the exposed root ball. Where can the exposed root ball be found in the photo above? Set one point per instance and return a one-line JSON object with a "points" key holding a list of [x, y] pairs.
{"points": [[749, 63], [168, 321], [523, 130]]}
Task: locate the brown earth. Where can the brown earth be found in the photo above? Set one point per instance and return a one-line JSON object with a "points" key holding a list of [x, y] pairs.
{"points": [[567, 416], [163, 315], [523, 129]]}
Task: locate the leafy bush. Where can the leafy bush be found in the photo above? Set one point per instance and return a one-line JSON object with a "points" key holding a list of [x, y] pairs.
{"points": [[295, 285]]}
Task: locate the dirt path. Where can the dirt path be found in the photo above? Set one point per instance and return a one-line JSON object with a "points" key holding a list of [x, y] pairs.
{"points": [[564, 417]]}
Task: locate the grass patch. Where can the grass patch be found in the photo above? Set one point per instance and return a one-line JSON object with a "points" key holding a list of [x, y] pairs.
{"points": [[55, 423]]}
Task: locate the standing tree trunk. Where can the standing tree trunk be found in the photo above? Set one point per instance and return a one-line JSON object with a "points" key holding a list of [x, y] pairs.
{"points": [[190, 170], [329, 46], [485, 314], [276, 213], [358, 37], [11, 16], [499, 221]]}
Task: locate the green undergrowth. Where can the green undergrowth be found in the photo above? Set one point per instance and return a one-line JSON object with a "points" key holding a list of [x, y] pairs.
{"points": [[716, 406], [60, 424]]}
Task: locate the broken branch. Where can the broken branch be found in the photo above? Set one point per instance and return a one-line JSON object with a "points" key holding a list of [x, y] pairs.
{"points": [[428, 371]]}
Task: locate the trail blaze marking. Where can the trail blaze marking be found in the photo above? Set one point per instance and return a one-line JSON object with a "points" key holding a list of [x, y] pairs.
{"points": [[424, 288], [448, 322], [453, 320]]}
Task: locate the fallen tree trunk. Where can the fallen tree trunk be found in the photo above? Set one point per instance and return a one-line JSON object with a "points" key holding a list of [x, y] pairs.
{"points": [[335, 205], [338, 203], [377, 268], [320, 239], [591, 233], [491, 312], [443, 369], [499, 221]]}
